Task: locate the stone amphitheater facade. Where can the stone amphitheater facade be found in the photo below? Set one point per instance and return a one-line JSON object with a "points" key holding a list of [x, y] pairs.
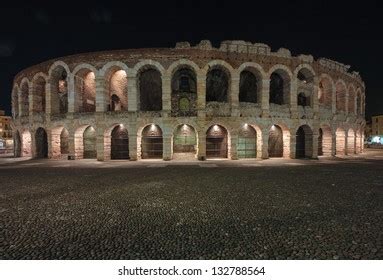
{"points": [[240, 100]]}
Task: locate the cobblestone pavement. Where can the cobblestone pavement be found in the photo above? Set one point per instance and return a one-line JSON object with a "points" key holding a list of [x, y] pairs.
{"points": [[271, 209]]}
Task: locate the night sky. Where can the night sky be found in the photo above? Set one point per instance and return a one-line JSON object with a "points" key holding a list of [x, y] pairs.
{"points": [[349, 33]]}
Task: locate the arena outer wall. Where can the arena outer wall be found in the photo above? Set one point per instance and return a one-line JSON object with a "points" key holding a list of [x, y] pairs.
{"points": [[190, 101]]}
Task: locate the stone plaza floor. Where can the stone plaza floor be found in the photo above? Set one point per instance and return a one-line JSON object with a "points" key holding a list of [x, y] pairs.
{"points": [[331, 208]]}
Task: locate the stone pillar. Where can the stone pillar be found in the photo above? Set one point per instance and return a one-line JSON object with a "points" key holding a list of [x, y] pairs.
{"points": [[333, 144], [346, 104], [20, 105], [293, 142], [101, 94], [48, 100], [315, 102], [33, 147], [234, 94], [346, 142], [315, 144], [333, 101], [201, 145], [133, 98], [167, 146], [72, 144], [265, 144], [100, 145], [293, 96], [201, 94], [133, 146], [71, 93], [31, 100], [233, 145], [265, 97], [166, 94]]}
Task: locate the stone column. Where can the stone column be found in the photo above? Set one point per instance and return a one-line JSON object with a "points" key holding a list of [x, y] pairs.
{"points": [[234, 94], [201, 145], [166, 95], [265, 96], [315, 102], [333, 101], [71, 94], [233, 145], [133, 98], [346, 104], [101, 94], [33, 147], [333, 144], [315, 143], [293, 96], [201, 94], [100, 145], [167, 146], [265, 144], [71, 144], [133, 146], [346, 142], [292, 147]]}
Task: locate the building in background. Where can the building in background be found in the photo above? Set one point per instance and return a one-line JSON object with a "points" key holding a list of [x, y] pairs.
{"points": [[6, 139], [376, 136]]}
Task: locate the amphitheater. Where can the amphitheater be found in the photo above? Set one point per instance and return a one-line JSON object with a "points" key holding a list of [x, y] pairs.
{"points": [[241, 100]]}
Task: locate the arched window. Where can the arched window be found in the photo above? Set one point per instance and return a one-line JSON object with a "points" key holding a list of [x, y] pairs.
{"points": [[117, 93], [217, 85], [184, 89], [59, 91], [85, 91], [24, 100], [39, 95], [248, 87], [150, 85], [279, 87], [41, 142], [303, 100]]}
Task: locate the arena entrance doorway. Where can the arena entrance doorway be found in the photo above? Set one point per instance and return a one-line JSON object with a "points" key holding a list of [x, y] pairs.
{"points": [[275, 141], [303, 144], [119, 143], [151, 142], [247, 142], [184, 142], [41, 143], [89, 141], [216, 142]]}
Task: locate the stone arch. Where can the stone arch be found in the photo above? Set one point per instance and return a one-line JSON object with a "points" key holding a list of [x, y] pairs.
{"points": [[59, 142], [304, 142], [217, 142], [181, 63], [41, 143], [24, 97], [85, 142], [351, 99], [58, 79], [115, 74], [39, 83], [325, 90], [184, 91], [340, 141], [85, 88], [149, 85], [185, 142], [250, 82], [279, 141], [340, 94], [350, 141], [15, 101], [280, 84], [325, 140], [151, 142]]}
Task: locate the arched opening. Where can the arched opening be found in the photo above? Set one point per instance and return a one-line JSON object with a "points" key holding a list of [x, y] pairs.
{"points": [[247, 142], [17, 144], [150, 88], [249, 86], [279, 87], [89, 143], [59, 142], [24, 100], [117, 93], [324, 141], [184, 142], [303, 100], [358, 104], [85, 91], [217, 85], [216, 142], [304, 142], [350, 142], [184, 93], [325, 92], [340, 148], [39, 95], [151, 142], [275, 141], [340, 97], [59, 91], [119, 143], [41, 140]]}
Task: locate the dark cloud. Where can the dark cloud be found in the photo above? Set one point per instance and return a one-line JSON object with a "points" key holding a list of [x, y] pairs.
{"points": [[6, 49]]}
